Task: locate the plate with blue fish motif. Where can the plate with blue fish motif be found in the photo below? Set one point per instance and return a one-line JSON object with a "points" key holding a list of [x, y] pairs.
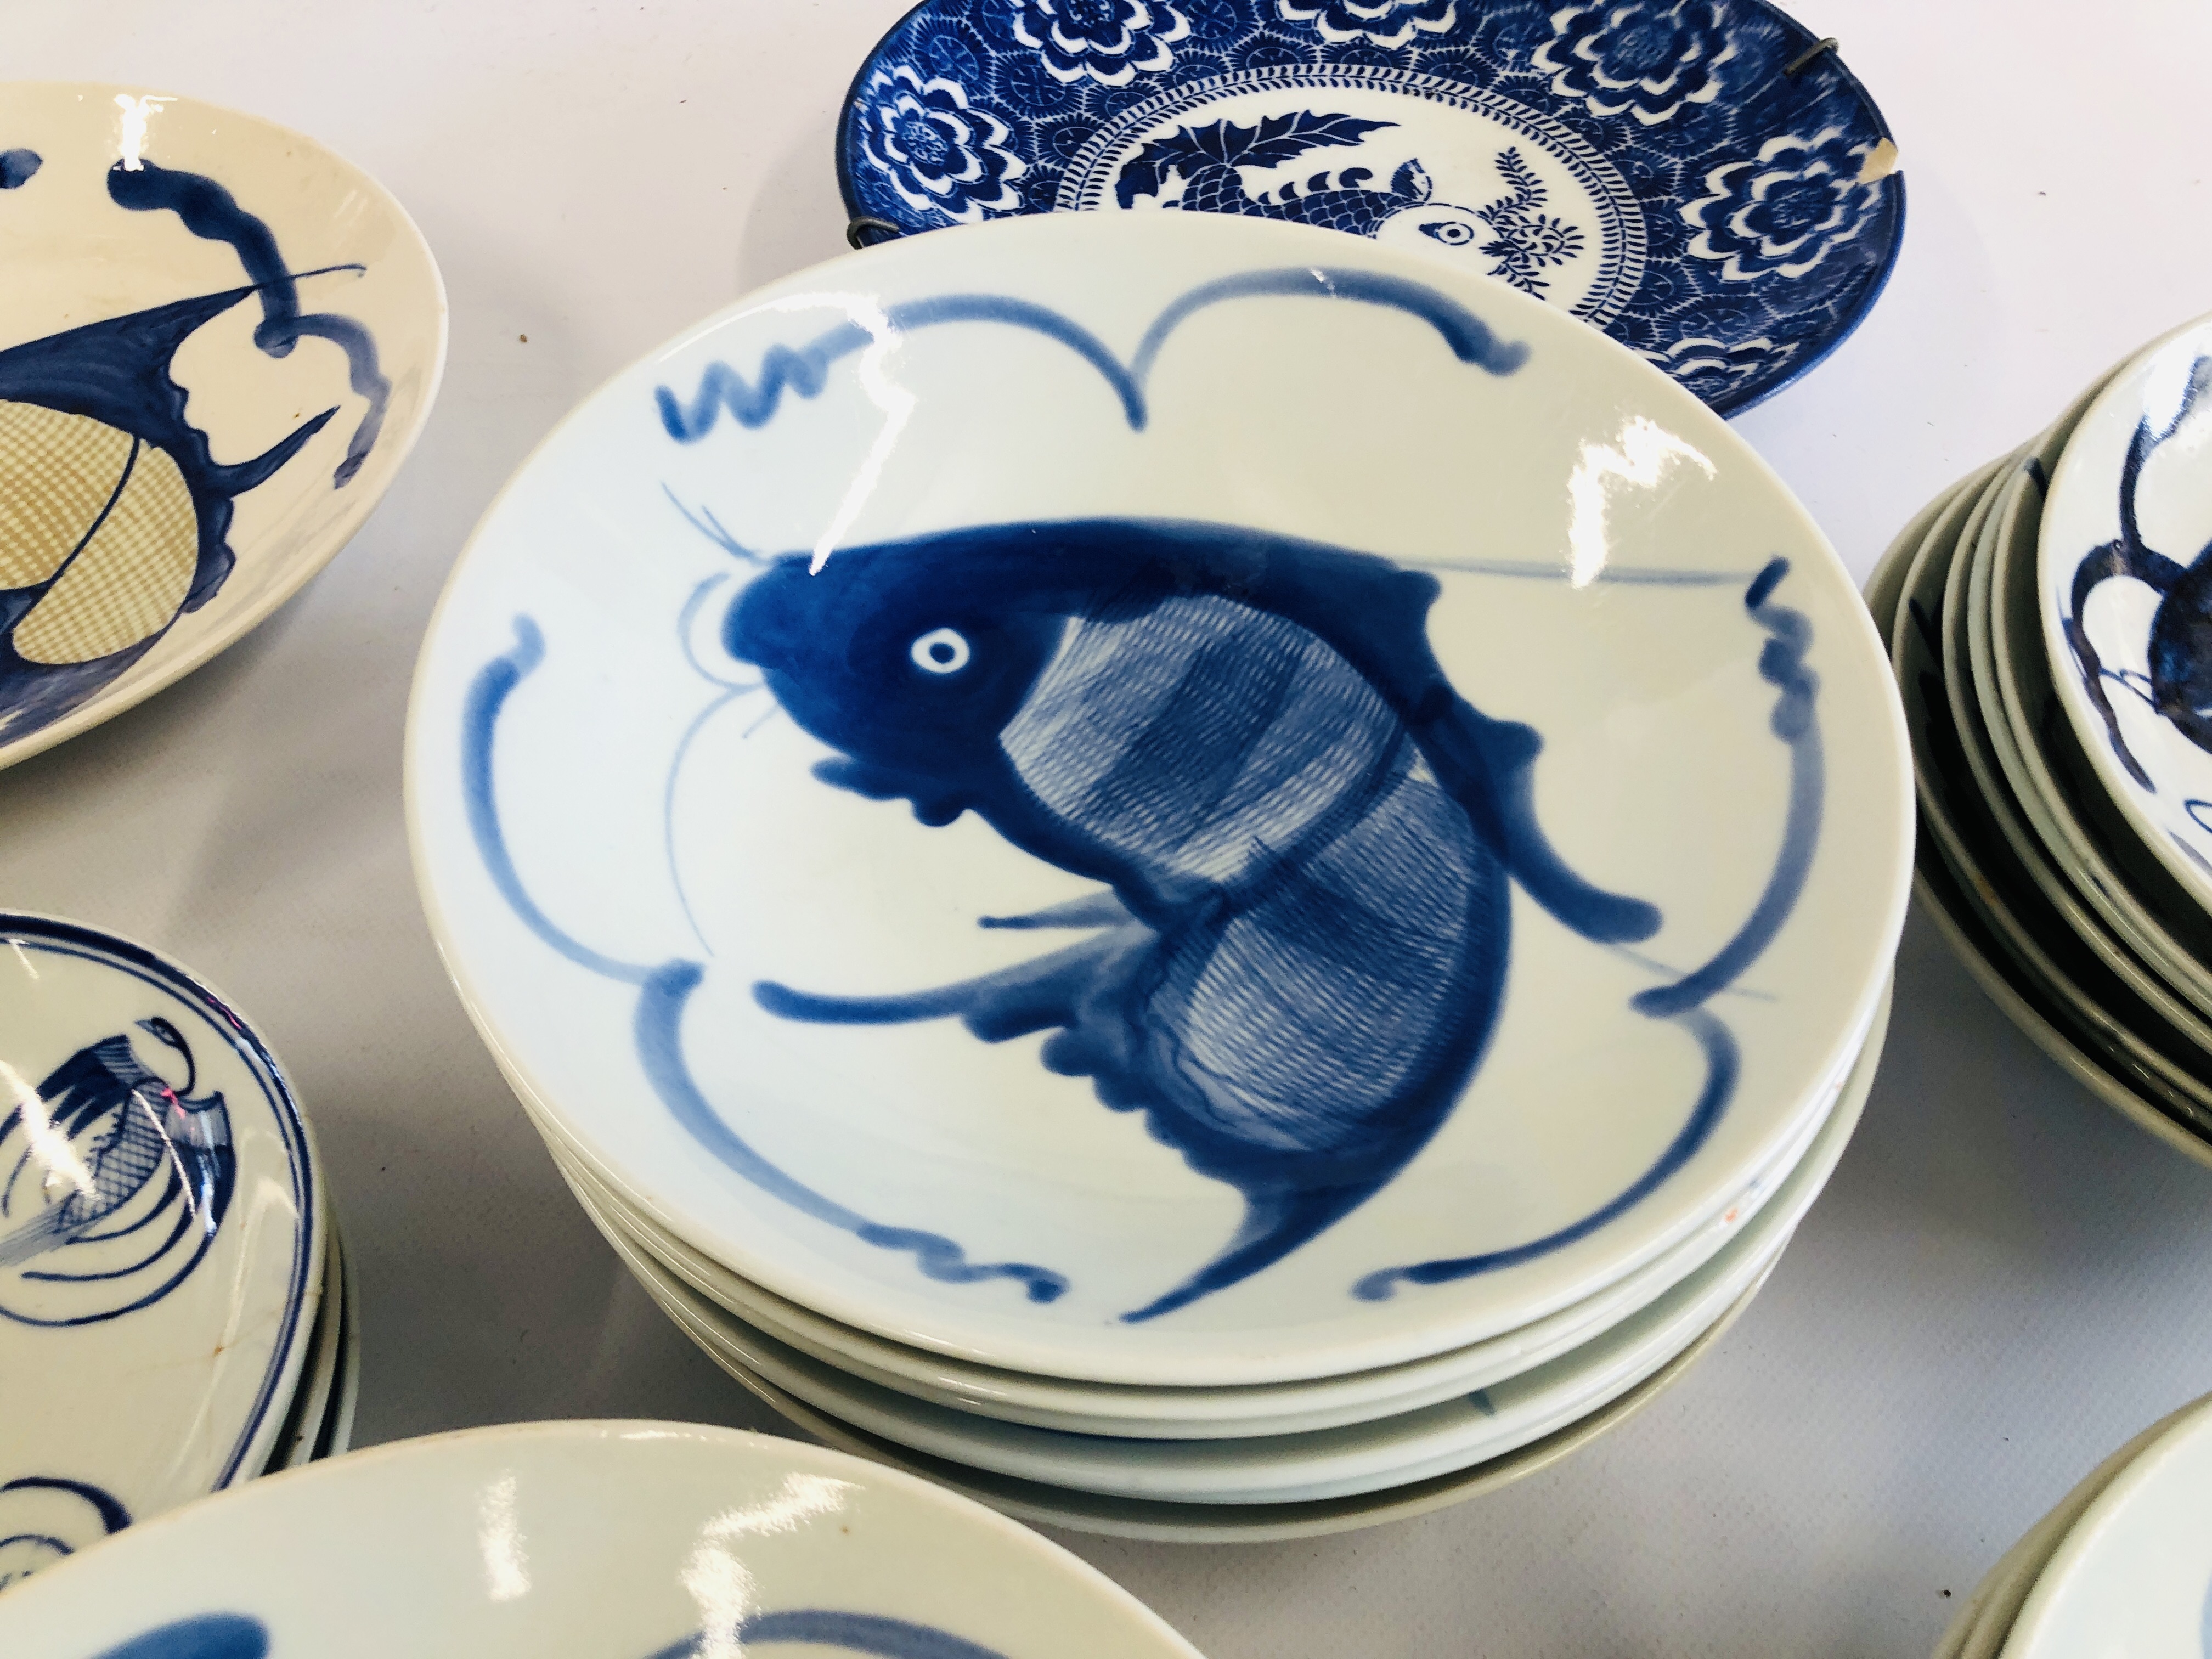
{"points": [[163, 1242], [217, 342], [2125, 579], [634, 1540], [1162, 800], [1702, 178]]}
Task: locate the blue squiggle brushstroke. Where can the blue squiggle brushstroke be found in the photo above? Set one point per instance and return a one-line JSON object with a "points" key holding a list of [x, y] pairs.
{"points": [[211, 212], [856, 1632], [805, 369], [208, 1635], [1722, 1062], [663, 992], [1796, 723], [1470, 338]]}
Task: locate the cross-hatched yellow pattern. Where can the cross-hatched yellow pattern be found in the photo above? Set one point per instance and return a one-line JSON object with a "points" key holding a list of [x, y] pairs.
{"points": [[133, 572], [57, 472]]}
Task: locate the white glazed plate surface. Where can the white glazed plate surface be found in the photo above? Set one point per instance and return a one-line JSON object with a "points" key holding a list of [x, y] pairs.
{"points": [[1382, 1097], [635, 1541], [191, 423], [161, 1242]]}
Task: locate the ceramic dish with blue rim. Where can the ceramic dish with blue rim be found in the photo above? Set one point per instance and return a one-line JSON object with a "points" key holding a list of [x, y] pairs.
{"points": [[162, 1241], [640, 1540], [2124, 577], [1702, 178], [1169, 1414], [1168, 800], [218, 341]]}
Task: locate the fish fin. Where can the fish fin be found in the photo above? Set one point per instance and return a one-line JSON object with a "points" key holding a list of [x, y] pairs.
{"points": [[1100, 909], [1489, 765], [237, 479], [1274, 1224], [45, 1232], [1031, 996]]}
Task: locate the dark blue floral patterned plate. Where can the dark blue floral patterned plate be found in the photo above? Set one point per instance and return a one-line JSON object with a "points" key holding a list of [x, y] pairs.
{"points": [[1701, 178]]}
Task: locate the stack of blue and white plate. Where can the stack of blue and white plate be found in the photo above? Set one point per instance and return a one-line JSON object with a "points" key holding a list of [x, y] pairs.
{"points": [[2052, 636], [174, 1316], [1208, 879]]}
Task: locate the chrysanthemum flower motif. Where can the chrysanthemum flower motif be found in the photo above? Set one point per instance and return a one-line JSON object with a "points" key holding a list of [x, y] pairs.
{"points": [[1713, 367], [1648, 58], [1109, 40], [1785, 212], [1378, 23], [937, 150]]}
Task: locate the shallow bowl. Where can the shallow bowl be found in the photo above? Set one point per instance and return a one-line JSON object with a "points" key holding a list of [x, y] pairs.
{"points": [[1409, 760], [162, 1241], [217, 342]]}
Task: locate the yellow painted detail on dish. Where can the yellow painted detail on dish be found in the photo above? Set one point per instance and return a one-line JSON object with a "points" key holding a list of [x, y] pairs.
{"points": [[57, 472], [127, 583]]}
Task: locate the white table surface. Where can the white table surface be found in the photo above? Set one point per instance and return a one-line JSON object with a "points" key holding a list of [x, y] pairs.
{"points": [[2005, 1280]]}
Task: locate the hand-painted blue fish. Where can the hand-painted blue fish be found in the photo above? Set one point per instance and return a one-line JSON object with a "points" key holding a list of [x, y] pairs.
{"points": [[155, 1169], [2180, 645], [114, 514], [1307, 833]]}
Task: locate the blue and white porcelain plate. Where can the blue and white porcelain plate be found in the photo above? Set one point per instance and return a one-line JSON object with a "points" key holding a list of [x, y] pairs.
{"points": [[2124, 577], [622, 1541], [161, 1242], [217, 342], [1170, 800], [1695, 176]]}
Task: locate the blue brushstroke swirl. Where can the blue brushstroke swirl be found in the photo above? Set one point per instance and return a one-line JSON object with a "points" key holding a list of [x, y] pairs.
{"points": [[663, 991], [211, 212], [804, 370]]}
